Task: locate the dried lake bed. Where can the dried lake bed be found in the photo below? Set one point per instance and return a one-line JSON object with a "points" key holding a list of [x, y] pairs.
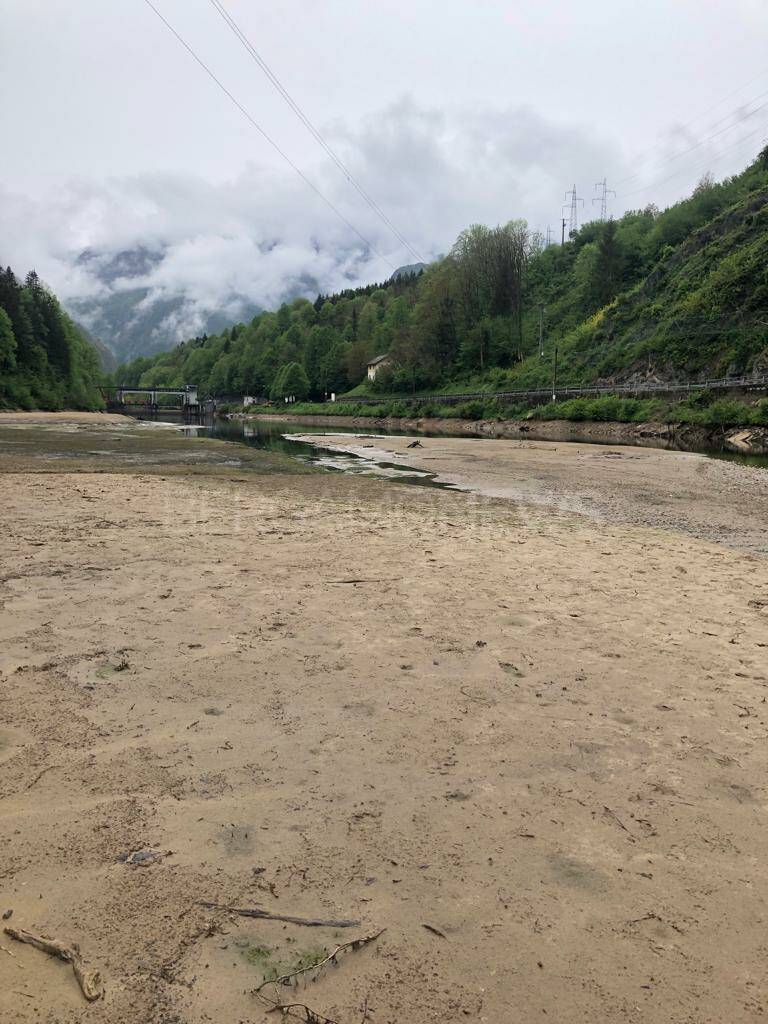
{"points": [[523, 732]]}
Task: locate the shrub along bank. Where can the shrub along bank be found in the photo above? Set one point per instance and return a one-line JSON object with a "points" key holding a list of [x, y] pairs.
{"points": [[701, 408]]}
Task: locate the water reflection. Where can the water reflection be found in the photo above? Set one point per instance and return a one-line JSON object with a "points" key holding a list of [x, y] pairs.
{"points": [[271, 434]]}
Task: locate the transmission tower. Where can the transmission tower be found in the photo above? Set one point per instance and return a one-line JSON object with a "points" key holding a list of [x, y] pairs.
{"points": [[550, 237], [573, 207], [602, 197]]}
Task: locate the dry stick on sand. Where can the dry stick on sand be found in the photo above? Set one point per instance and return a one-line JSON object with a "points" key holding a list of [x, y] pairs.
{"points": [[394, 579], [308, 1015], [257, 912], [40, 775], [619, 822], [4, 949], [89, 981], [288, 979]]}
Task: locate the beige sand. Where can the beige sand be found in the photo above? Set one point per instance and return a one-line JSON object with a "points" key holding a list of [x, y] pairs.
{"points": [[63, 417], [701, 496], [540, 734]]}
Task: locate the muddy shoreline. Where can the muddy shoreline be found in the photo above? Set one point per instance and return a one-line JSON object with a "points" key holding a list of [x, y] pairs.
{"points": [[678, 436]]}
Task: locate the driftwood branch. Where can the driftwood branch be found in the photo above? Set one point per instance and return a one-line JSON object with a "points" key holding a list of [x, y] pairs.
{"points": [[309, 1015], [89, 981], [355, 944], [308, 922]]}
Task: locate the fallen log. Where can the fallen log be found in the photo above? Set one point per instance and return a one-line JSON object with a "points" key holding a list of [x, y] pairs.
{"points": [[89, 981]]}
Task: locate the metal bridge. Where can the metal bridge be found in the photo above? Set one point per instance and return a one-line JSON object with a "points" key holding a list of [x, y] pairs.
{"points": [[152, 399]]}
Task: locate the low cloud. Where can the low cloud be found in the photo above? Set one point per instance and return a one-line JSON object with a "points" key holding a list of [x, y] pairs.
{"points": [[264, 235]]}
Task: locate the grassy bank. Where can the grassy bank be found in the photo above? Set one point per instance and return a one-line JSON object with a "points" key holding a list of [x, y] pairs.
{"points": [[701, 407]]}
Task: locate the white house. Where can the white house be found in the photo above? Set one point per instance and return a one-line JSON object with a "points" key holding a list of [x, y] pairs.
{"points": [[376, 364]]}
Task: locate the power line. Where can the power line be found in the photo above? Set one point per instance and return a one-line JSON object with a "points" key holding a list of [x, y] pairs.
{"points": [[687, 170], [707, 138], [265, 136], [316, 134], [722, 99], [709, 109]]}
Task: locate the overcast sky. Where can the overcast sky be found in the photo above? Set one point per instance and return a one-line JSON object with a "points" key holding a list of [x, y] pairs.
{"points": [[446, 111]]}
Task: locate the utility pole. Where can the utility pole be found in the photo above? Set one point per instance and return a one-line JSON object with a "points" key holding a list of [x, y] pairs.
{"points": [[541, 331], [562, 236], [573, 206], [602, 197]]}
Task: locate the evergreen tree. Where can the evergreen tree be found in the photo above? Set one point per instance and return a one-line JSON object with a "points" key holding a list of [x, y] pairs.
{"points": [[44, 360], [7, 345], [608, 267]]}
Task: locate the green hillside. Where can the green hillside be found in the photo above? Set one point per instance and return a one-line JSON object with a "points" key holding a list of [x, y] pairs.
{"points": [[45, 361], [681, 293]]}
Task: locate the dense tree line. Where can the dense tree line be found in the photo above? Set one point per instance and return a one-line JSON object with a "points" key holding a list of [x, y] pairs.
{"points": [[45, 362], [478, 314]]}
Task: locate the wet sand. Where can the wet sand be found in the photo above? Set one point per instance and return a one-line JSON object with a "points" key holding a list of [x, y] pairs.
{"points": [[708, 498], [529, 743]]}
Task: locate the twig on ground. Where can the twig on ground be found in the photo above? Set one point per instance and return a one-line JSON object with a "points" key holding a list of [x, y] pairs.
{"points": [[266, 914], [355, 944], [310, 1016], [471, 696], [11, 954], [618, 821], [40, 775], [395, 579], [89, 981], [435, 931]]}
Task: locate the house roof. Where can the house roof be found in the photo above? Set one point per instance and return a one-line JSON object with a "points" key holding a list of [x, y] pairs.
{"points": [[379, 359]]}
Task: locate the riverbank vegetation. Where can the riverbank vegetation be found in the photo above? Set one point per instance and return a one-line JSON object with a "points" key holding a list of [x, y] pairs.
{"points": [[700, 407], [45, 361], [678, 294]]}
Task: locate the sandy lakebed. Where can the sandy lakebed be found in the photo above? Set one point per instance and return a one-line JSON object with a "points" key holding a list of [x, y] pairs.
{"points": [[523, 731]]}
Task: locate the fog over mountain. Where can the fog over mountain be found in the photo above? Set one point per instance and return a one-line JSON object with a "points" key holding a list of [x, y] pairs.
{"points": [[148, 260], [156, 211]]}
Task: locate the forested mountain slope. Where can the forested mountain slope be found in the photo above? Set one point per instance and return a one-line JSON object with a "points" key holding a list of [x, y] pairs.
{"points": [[681, 293], [45, 362]]}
